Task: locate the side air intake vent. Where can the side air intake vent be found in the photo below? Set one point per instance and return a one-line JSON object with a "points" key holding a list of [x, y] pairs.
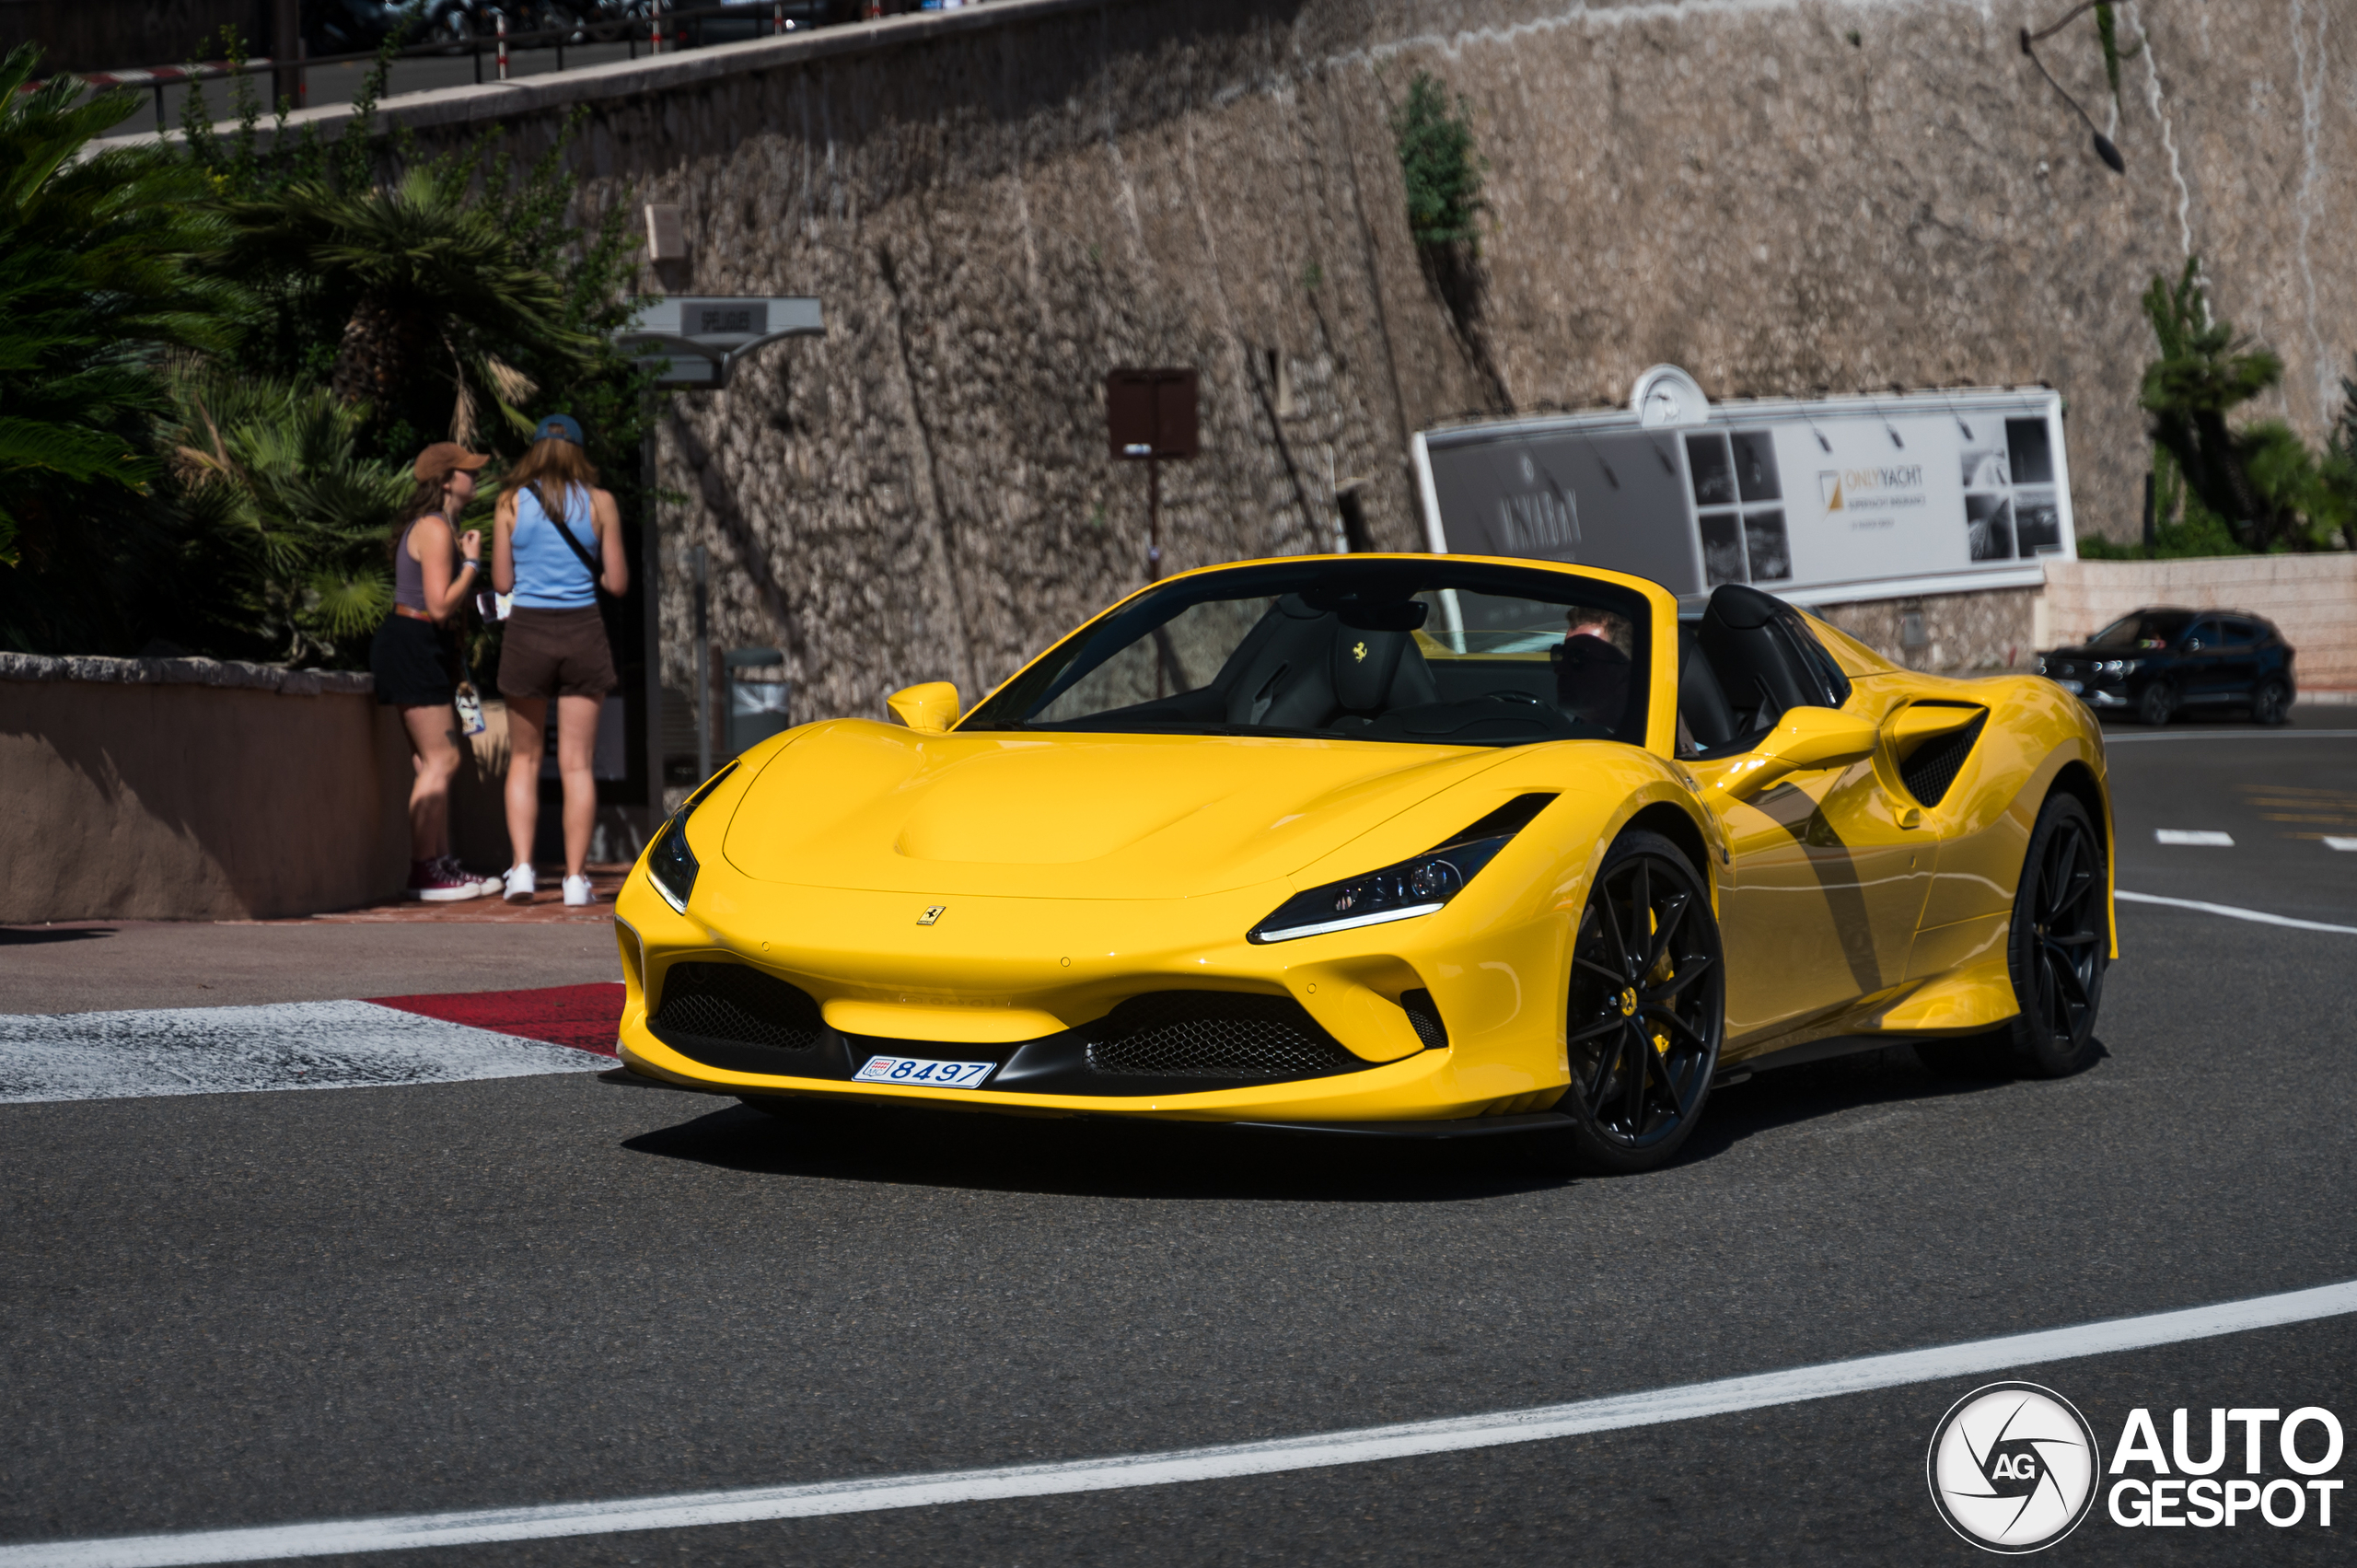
{"points": [[1214, 1034], [1422, 1013], [1932, 767], [704, 1005]]}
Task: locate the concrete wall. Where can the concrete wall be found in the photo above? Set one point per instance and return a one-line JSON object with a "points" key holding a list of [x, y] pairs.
{"points": [[182, 789], [998, 204]]}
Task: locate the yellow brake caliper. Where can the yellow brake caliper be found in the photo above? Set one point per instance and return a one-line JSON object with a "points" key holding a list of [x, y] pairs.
{"points": [[1662, 972]]}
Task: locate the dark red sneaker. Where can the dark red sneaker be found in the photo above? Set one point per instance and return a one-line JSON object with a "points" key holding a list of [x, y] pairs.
{"points": [[438, 882]]}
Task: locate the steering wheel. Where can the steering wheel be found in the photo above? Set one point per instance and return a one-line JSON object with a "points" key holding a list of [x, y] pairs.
{"points": [[1512, 694]]}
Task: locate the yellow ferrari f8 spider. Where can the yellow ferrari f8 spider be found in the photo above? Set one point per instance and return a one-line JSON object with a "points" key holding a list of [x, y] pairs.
{"points": [[1406, 844]]}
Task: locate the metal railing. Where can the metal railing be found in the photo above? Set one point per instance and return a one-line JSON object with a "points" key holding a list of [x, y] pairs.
{"points": [[662, 29]]}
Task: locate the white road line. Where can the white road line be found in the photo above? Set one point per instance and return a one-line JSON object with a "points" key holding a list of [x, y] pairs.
{"points": [[2202, 836], [1366, 1446], [2110, 740], [2258, 916], [2334, 841], [288, 1045]]}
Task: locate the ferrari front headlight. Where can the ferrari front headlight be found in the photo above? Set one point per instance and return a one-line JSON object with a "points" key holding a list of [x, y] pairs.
{"points": [[671, 863], [1403, 892]]}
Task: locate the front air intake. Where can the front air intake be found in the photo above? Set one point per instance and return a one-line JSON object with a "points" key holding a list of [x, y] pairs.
{"points": [[731, 1005], [1214, 1034], [1932, 767]]}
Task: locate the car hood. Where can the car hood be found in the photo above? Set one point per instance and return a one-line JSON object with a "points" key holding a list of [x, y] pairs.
{"points": [[858, 804]]}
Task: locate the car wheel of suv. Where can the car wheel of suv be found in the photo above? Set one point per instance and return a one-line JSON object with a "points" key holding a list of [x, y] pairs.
{"points": [[2055, 952], [1647, 1009], [2158, 703], [2271, 703]]}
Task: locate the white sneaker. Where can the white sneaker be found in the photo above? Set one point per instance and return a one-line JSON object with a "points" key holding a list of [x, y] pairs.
{"points": [[576, 890], [521, 884]]}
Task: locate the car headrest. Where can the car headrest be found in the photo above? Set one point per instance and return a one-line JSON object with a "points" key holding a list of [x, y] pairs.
{"points": [[1364, 664], [1758, 670]]}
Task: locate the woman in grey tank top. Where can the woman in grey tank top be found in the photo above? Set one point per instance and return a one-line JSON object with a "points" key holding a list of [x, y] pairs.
{"points": [[434, 568]]}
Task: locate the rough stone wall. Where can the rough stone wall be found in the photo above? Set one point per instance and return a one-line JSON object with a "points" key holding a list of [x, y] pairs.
{"points": [[1975, 633], [1779, 195]]}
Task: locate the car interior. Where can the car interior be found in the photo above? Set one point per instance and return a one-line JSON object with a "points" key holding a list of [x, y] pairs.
{"points": [[1741, 663], [1359, 668]]}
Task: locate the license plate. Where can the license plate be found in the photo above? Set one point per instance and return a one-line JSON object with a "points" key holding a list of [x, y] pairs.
{"points": [[917, 1070], [2073, 687]]}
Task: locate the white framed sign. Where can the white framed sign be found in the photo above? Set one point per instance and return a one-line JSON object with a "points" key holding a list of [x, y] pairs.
{"points": [[1817, 500]]}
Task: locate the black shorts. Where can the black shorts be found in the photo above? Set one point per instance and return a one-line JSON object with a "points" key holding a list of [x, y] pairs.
{"points": [[411, 663]]}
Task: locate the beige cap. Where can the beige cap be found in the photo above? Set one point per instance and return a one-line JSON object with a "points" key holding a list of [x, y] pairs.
{"points": [[442, 459]]}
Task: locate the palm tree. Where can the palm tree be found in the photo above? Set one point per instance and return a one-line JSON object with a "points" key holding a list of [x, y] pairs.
{"points": [[292, 526], [96, 282], [436, 298]]}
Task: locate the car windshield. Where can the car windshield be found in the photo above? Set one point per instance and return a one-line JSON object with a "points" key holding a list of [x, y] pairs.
{"points": [[1416, 651], [2145, 629]]}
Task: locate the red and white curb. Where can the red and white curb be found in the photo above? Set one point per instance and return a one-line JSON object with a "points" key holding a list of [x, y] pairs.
{"points": [[306, 1045]]}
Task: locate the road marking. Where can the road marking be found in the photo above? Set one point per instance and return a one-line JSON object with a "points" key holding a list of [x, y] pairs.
{"points": [[1365, 1446], [2258, 916], [2333, 841], [2110, 740], [2193, 836], [288, 1045]]}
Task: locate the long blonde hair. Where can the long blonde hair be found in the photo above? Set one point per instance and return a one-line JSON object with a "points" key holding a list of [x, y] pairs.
{"points": [[550, 468]]}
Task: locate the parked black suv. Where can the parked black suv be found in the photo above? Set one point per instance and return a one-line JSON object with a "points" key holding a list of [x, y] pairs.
{"points": [[2161, 659]]}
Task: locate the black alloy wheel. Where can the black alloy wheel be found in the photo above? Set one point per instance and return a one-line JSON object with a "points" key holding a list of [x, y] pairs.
{"points": [[2056, 951], [2158, 705], [2271, 703], [1647, 1009]]}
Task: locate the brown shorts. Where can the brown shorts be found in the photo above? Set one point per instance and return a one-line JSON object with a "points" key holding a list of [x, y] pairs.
{"points": [[556, 653]]}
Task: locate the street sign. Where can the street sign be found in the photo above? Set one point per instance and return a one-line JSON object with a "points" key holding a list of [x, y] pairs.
{"points": [[705, 337], [1151, 413]]}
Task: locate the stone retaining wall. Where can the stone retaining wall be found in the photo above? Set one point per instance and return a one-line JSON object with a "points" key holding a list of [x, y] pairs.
{"points": [[998, 204], [188, 789]]}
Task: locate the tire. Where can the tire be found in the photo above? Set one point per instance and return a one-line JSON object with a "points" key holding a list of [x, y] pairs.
{"points": [[2271, 703], [2055, 952], [1646, 1010], [2158, 703]]}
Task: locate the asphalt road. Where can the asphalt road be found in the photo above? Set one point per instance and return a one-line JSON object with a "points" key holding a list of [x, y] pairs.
{"points": [[254, 1309]]}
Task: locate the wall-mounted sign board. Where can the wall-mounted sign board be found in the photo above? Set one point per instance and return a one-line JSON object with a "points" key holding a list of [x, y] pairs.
{"points": [[1151, 413], [1819, 501]]}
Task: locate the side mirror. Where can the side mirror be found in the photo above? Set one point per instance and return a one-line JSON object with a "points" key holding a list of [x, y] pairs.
{"points": [[1804, 738], [928, 709]]}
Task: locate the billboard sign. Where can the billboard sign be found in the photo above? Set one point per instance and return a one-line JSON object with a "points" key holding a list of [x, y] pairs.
{"points": [[1816, 500]]}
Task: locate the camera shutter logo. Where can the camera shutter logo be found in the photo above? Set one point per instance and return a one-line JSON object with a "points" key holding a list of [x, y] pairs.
{"points": [[2012, 1468]]}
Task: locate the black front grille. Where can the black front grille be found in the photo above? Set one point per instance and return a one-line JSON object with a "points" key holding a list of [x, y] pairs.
{"points": [[1214, 1034], [732, 1005], [1932, 767]]}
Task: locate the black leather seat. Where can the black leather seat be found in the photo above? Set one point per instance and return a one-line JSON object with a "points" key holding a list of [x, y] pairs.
{"points": [[1743, 669]]}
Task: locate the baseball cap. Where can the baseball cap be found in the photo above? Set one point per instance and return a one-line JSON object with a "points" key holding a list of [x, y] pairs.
{"points": [[559, 428], [442, 459]]}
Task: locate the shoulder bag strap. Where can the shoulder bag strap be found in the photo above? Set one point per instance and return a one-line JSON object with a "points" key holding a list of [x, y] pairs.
{"points": [[565, 531]]}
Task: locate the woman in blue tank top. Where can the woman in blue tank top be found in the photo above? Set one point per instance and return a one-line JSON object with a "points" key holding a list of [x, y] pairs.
{"points": [[559, 541]]}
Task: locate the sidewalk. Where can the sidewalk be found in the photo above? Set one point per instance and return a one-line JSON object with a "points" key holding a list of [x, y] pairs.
{"points": [[389, 949]]}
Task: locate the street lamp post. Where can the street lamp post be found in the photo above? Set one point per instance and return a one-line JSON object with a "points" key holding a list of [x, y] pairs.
{"points": [[695, 345]]}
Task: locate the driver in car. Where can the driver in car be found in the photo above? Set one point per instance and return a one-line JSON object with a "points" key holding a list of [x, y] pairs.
{"points": [[1591, 666]]}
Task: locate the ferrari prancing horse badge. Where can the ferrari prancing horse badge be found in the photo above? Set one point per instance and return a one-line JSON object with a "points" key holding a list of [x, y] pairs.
{"points": [[932, 913]]}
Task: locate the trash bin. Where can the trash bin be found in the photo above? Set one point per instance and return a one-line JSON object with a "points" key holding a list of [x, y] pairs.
{"points": [[757, 709]]}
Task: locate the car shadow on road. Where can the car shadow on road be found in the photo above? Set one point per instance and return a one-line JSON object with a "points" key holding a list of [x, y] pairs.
{"points": [[1819, 1091], [1081, 1157], [1085, 1157], [38, 936]]}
